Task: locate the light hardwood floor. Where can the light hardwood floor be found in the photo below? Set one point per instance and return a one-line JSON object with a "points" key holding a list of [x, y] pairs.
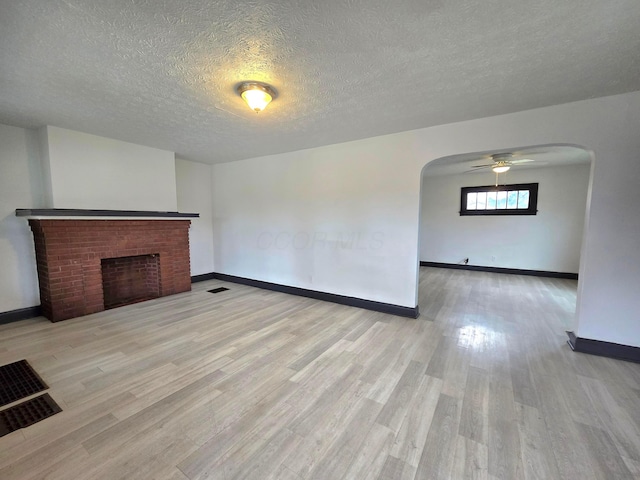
{"points": [[260, 385]]}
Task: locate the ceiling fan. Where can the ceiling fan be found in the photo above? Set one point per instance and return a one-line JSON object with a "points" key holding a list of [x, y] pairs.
{"points": [[502, 162]]}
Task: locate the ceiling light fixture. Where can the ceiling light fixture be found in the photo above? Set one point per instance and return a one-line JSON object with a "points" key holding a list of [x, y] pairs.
{"points": [[501, 167], [257, 95]]}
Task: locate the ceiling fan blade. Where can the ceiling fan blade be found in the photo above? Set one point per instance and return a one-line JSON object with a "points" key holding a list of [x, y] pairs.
{"points": [[478, 168], [483, 166], [524, 160]]}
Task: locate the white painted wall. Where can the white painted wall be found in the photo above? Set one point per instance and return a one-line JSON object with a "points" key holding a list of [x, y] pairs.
{"points": [[92, 172], [372, 187], [45, 167], [21, 186], [550, 240], [193, 185], [337, 219]]}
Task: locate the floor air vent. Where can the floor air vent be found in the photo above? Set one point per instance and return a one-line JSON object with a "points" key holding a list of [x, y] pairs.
{"points": [[218, 290], [27, 413], [18, 380]]}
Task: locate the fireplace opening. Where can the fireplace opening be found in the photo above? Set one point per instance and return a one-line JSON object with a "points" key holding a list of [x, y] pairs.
{"points": [[127, 280]]}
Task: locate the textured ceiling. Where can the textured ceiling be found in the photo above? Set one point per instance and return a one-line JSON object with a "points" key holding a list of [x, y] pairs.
{"points": [[162, 73]]}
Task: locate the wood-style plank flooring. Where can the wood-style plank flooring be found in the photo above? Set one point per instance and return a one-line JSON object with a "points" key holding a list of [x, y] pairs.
{"points": [[253, 384]]}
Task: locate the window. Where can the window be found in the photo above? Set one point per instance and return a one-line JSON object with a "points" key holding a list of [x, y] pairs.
{"points": [[519, 199]]}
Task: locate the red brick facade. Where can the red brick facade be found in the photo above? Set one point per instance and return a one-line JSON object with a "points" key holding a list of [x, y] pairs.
{"points": [[69, 254]]}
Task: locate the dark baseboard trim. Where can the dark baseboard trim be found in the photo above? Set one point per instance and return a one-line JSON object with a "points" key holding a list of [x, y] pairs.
{"points": [[326, 297], [20, 314], [604, 349], [203, 277], [510, 271]]}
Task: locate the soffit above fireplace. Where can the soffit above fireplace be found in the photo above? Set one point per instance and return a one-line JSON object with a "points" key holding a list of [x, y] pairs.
{"points": [[80, 214]]}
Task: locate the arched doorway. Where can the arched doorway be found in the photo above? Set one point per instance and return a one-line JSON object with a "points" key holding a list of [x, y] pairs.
{"points": [[546, 243]]}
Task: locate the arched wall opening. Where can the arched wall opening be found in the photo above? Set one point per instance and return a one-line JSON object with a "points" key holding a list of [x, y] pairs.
{"points": [[548, 243]]}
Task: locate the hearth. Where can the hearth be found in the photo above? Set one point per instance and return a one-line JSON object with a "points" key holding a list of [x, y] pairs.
{"points": [[89, 260]]}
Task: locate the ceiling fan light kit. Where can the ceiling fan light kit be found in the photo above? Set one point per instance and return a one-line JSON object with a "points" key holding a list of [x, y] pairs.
{"points": [[501, 167]]}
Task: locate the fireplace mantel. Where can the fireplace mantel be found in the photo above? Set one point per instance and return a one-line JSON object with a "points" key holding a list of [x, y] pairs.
{"points": [[82, 214], [74, 247]]}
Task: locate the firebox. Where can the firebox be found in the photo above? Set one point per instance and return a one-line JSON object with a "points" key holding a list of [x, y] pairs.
{"points": [[127, 280]]}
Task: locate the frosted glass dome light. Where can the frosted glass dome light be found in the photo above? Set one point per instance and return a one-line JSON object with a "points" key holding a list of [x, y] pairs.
{"points": [[257, 95], [501, 167]]}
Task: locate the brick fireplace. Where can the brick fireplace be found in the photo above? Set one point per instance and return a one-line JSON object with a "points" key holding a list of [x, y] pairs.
{"points": [[89, 263]]}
